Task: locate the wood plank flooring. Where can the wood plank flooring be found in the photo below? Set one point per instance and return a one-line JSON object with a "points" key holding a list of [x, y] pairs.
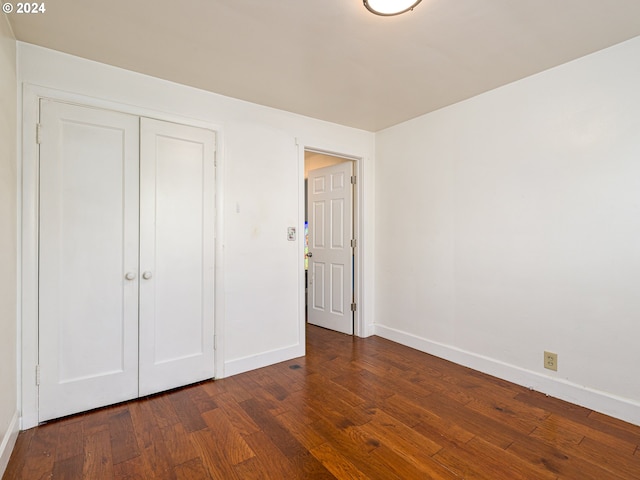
{"points": [[351, 409]]}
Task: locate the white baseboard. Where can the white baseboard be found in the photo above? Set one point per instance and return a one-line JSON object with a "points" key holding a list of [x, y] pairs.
{"points": [[8, 442], [603, 402], [245, 364]]}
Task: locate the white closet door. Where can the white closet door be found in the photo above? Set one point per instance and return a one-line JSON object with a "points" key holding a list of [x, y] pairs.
{"points": [[177, 213], [88, 319]]}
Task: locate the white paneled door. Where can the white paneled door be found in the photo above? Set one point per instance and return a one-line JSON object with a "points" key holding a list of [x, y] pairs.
{"points": [[330, 274], [88, 292], [125, 257], [176, 256]]}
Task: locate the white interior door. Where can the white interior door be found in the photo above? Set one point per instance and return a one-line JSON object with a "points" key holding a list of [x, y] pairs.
{"points": [[88, 237], [177, 211], [330, 274]]}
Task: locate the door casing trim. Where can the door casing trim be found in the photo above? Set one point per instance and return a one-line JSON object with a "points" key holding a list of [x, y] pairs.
{"points": [[359, 328]]}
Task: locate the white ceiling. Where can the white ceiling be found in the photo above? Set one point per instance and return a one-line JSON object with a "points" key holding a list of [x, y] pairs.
{"points": [[332, 59]]}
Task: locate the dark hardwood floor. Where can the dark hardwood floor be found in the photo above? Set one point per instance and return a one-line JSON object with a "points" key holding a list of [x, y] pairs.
{"points": [[352, 409]]}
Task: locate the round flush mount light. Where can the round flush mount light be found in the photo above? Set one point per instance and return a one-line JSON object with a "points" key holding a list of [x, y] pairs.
{"points": [[388, 8]]}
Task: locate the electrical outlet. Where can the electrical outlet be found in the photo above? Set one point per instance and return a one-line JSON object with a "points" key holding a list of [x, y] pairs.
{"points": [[551, 361]]}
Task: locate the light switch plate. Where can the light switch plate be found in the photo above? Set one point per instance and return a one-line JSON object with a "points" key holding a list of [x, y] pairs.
{"points": [[291, 234]]}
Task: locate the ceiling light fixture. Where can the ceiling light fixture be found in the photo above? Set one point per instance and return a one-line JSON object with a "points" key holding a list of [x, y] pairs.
{"points": [[387, 8]]}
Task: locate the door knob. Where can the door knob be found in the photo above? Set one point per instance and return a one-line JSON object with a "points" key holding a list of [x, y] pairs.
{"points": [[309, 254], [147, 275], [130, 275]]}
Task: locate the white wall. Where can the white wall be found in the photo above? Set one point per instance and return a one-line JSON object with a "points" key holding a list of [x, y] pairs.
{"points": [[519, 214], [262, 193], [8, 246]]}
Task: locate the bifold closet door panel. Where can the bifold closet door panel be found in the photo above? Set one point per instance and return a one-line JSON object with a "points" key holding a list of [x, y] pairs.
{"points": [[88, 254], [177, 218]]}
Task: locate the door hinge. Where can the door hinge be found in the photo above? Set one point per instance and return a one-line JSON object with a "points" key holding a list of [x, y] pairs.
{"points": [[353, 179], [37, 375], [353, 307], [353, 243], [38, 133]]}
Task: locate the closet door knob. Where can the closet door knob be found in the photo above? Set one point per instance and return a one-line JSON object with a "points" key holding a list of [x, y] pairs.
{"points": [[146, 275], [130, 275]]}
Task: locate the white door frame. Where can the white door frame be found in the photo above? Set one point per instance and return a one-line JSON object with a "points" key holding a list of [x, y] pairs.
{"points": [[359, 329], [28, 221]]}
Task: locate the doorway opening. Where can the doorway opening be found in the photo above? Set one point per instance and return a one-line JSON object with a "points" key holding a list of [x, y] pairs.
{"points": [[330, 241]]}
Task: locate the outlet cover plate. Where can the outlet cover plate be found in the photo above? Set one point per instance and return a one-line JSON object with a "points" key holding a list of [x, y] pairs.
{"points": [[551, 361]]}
